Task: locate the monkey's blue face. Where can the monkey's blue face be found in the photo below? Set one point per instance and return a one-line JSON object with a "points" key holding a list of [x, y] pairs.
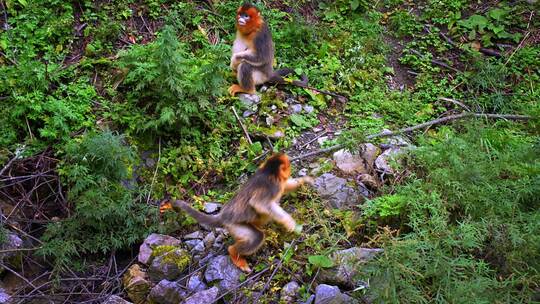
{"points": [[243, 19]]}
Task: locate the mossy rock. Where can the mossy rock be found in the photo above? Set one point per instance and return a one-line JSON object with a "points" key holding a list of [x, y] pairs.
{"points": [[169, 265]]}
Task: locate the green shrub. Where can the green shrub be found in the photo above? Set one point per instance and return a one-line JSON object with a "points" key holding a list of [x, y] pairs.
{"points": [[471, 217], [42, 105], [107, 215], [171, 90]]}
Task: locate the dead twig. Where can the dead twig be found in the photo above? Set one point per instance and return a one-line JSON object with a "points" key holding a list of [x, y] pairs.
{"points": [[314, 139], [420, 126], [456, 102], [155, 172], [242, 125], [436, 62]]}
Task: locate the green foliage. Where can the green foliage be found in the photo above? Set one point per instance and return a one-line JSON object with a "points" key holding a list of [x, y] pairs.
{"points": [[490, 26], [472, 216], [107, 214], [41, 106], [172, 87]]}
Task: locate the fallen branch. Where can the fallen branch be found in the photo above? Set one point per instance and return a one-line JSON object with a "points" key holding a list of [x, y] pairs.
{"points": [[484, 50], [420, 126], [242, 125], [436, 62]]}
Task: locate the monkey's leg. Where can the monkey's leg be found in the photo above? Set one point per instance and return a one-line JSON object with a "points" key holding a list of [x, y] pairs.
{"points": [[245, 80], [247, 240]]}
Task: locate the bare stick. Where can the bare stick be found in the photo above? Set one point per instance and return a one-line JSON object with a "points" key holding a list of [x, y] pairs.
{"points": [[456, 102], [420, 126], [436, 62], [155, 171], [314, 139], [242, 125], [19, 249]]}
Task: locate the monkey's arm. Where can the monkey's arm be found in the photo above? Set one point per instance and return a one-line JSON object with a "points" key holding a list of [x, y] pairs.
{"points": [[274, 211], [236, 59], [293, 183]]}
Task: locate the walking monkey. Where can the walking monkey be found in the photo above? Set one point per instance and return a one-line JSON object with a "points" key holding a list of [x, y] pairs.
{"points": [[253, 206]]}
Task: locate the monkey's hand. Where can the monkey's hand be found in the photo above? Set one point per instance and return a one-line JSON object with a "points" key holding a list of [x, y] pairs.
{"points": [[234, 62], [308, 180]]}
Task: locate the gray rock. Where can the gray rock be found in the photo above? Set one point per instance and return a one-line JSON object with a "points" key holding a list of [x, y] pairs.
{"points": [[369, 153], [209, 239], [110, 300], [382, 162], [248, 113], [194, 235], [369, 181], [303, 172], [136, 284], [321, 140], [205, 258], [222, 269], [13, 242], [296, 108], [208, 296], [396, 140], [289, 292], [336, 192], [196, 246], [290, 100], [5, 298], [150, 162], [309, 300], [152, 241], [196, 283], [350, 163], [277, 135], [249, 100], [211, 207], [269, 120], [327, 294], [347, 265], [169, 265], [167, 292], [308, 109]]}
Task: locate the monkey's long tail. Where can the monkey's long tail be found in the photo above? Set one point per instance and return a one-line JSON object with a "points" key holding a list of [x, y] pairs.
{"points": [[210, 220], [278, 75]]}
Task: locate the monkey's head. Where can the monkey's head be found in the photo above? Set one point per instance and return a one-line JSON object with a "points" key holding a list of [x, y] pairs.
{"points": [[278, 166], [248, 18]]}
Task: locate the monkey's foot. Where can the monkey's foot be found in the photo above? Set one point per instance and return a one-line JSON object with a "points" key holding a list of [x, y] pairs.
{"points": [[238, 260], [234, 89]]}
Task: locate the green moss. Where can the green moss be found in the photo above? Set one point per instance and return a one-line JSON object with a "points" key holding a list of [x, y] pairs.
{"points": [[180, 258], [162, 249]]}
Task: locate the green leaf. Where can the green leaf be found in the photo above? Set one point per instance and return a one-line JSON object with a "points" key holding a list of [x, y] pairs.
{"points": [[320, 261], [355, 4], [497, 14], [299, 121]]}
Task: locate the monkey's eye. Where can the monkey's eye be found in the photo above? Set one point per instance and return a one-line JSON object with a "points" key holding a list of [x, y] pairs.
{"points": [[244, 15]]}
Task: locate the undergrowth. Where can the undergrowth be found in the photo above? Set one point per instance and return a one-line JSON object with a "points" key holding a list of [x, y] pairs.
{"points": [[468, 222]]}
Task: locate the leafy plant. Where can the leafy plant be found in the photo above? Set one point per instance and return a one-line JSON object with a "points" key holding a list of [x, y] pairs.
{"points": [[471, 212], [107, 215], [489, 26], [172, 87]]}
